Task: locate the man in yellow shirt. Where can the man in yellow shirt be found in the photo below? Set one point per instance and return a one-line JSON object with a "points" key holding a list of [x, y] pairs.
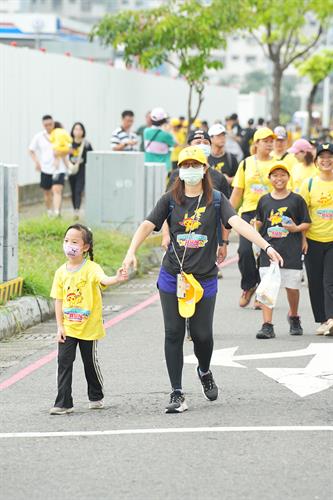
{"points": [[250, 183]]}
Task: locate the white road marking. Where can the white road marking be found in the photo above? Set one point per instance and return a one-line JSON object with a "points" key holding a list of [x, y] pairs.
{"points": [[315, 377], [176, 430]]}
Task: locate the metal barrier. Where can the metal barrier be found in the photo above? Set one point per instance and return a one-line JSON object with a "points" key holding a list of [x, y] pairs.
{"points": [[8, 223], [121, 189]]}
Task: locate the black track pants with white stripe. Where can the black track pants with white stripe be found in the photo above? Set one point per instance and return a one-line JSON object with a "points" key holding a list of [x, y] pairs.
{"points": [[66, 357]]}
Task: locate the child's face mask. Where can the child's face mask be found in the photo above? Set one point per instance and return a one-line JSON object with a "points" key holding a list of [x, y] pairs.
{"points": [[72, 249]]}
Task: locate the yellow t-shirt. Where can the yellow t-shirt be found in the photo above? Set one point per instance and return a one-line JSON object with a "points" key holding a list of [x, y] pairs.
{"points": [[300, 172], [61, 140], [320, 203], [80, 292], [289, 160], [254, 180], [180, 138]]}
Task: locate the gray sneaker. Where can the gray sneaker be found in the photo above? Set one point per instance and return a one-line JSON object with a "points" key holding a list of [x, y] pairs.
{"points": [[266, 331], [295, 325], [96, 405], [56, 410], [177, 403], [209, 388]]}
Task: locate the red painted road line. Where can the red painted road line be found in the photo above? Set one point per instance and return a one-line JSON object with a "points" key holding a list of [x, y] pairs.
{"points": [[29, 369], [133, 310], [117, 319]]}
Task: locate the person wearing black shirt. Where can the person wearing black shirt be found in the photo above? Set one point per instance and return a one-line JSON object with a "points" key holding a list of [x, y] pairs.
{"points": [[201, 139], [219, 159], [80, 148], [247, 137], [192, 218], [282, 216], [220, 183]]}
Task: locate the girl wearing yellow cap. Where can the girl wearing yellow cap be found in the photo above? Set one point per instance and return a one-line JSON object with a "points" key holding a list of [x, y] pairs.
{"points": [[250, 183], [318, 194], [194, 212]]}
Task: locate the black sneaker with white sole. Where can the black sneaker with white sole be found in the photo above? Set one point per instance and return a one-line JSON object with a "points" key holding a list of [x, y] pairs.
{"points": [[295, 325], [209, 388], [266, 332], [177, 403]]}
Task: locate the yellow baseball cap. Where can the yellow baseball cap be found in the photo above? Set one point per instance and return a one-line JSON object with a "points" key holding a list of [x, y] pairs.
{"points": [[277, 166], [175, 122], [263, 133], [192, 153], [194, 293]]}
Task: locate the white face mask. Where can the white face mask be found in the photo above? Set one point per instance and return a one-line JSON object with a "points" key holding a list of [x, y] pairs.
{"points": [[191, 176], [205, 148]]}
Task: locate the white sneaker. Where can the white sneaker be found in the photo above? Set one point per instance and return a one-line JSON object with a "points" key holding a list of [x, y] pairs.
{"points": [[329, 328], [322, 329], [96, 405], [60, 411]]}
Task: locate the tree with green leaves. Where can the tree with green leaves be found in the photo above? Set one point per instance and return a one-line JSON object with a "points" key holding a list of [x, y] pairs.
{"points": [[287, 30], [182, 33], [316, 68]]}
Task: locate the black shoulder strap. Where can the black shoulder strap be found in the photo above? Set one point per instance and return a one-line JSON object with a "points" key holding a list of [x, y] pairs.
{"points": [[310, 184], [244, 164], [154, 137], [284, 155], [217, 205], [172, 205]]}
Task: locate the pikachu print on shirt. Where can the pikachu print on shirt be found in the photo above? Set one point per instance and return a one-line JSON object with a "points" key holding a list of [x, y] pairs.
{"points": [[190, 238]]}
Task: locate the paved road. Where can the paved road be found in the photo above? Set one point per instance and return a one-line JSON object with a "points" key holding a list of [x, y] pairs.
{"points": [[259, 441]]}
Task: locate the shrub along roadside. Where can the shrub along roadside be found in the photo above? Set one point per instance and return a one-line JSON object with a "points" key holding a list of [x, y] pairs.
{"points": [[40, 251]]}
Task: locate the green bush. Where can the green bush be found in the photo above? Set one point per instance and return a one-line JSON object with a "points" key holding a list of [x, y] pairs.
{"points": [[40, 252]]}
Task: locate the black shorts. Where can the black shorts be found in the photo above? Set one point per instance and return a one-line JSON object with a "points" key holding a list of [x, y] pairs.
{"points": [[47, 180]]}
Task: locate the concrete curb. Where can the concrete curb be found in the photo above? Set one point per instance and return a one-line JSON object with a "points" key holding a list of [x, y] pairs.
{"points": [[22, 313]]}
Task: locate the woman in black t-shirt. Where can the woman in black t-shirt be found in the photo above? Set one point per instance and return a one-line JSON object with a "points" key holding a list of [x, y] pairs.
{"points": [[80, 147], [194, 212]]}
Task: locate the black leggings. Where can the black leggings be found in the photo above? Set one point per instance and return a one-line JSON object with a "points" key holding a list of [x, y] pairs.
{"points": [[319, 269], [77, 187], [247, 262], [66, 357], [201, 327]]}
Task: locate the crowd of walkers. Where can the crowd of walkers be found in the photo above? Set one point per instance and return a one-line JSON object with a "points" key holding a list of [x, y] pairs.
{"points": [[275, 192]]}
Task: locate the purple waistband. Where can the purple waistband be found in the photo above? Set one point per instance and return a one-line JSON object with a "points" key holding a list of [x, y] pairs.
{"points": [[167, 283]]}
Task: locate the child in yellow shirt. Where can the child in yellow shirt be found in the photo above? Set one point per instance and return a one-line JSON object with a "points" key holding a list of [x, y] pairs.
{"points": [[77, 289], [61, 144]]}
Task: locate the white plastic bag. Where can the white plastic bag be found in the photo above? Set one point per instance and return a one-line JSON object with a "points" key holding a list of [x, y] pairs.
{"points": [[268, 289]]}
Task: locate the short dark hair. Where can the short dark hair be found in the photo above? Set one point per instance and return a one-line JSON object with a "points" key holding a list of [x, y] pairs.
{"points": [[81, 125], [58, 125], [261, 121], [47, 117], [127, 112]]}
